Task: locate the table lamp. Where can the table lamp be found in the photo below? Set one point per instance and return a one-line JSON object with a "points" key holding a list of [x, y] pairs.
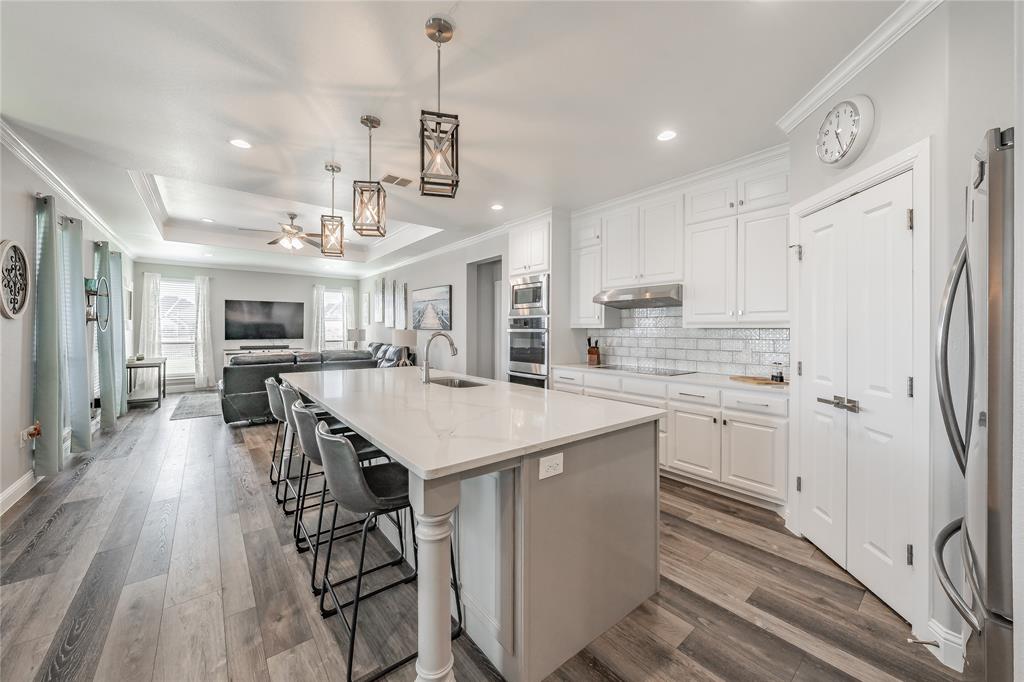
{"points": [[355, 336], [404, 339]]}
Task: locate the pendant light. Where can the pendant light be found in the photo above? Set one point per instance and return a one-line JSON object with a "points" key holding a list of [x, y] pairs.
{"points": [[369, 200], [439, 133], [332, 227]]}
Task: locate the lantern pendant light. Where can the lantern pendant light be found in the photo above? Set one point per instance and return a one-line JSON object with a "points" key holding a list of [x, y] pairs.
{"points": [[439, 132], [332, 227], [369, 200]]}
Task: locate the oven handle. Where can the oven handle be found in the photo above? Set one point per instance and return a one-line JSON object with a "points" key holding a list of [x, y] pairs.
{"points": [[527, 331], [524, 375]]}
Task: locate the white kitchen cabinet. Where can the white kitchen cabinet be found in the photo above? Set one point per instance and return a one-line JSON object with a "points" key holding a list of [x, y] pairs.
{"points": [[715, 199], [585, 270], [660, 236], [620, 253], [762, 187], [754, 453], [528, 247], [586, 232], [697, 448], [710, 295], [762, 285]]}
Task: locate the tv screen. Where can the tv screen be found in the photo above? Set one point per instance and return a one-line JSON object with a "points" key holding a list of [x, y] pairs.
{"points": [[255, 320]]}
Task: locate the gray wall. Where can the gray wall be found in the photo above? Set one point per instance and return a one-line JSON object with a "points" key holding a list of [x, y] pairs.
{"points": [[17, 221], [437, 270], [242, 285]]}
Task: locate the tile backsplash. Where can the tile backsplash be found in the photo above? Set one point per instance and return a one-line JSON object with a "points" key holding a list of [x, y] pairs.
{"points": [[655, 337]]}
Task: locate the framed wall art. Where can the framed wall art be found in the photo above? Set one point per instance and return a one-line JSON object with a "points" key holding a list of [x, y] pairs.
{"points": [[378, 300], [364, 310], [432, 308], [401, 300], [389, 303]]}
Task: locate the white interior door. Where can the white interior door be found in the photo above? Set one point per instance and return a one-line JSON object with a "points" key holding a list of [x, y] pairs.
{"points": [[823, 354], [880, 362]]}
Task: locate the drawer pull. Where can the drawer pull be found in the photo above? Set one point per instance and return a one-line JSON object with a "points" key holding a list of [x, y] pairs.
{"points": [[692, 395], [567, 378], [745, 402]]}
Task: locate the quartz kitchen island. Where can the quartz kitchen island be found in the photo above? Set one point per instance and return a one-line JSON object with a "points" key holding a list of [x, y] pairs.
{"points": [[582, 549]]}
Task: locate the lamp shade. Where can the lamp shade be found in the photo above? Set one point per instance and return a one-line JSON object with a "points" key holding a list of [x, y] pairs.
{"points": [[356, 334], [403, 337]]}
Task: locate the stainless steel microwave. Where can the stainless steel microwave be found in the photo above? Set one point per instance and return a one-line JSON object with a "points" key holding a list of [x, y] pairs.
{"points": [[529, 296]]}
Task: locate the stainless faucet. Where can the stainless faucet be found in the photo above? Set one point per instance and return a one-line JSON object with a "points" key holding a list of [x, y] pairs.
{"points": [[426, 353]]}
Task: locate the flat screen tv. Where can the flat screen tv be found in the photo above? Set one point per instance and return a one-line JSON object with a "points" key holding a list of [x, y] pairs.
{"points": [[262, 320]]}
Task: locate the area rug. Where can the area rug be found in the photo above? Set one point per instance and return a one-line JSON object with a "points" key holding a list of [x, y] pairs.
{"points": [[194, 405]]}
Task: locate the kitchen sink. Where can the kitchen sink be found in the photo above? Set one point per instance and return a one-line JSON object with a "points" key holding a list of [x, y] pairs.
{"points": [[454, 382]]}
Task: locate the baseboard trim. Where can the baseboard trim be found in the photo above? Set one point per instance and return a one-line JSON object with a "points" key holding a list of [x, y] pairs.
{"points": [[950, 651], [17, 490]]}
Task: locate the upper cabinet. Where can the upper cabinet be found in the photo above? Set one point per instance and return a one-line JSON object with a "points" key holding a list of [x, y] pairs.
{"points": [[643, 244], [528, 247], [716, 199], [752, 190], [586, 232], [585, 266]]}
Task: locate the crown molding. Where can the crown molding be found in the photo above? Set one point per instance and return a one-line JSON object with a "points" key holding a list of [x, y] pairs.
{"points": [[778, 153], [253, 269], [37, 165], [904, 18], [145, 185]]}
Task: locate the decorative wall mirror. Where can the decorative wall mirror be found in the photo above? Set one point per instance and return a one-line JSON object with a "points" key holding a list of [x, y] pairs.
{"points": [[15, 281]]}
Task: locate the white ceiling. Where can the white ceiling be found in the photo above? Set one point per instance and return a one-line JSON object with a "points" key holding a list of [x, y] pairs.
{"points": [[559, 102]]}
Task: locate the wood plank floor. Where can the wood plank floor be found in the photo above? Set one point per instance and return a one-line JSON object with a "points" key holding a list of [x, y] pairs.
{"points": [[161, 555]]}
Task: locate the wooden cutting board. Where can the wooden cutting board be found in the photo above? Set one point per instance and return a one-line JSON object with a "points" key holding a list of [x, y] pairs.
{"points": [[757, 381]]}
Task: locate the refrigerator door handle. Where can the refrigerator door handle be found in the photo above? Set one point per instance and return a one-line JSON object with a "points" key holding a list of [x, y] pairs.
{"points": [[957, 439], [959, 603]]}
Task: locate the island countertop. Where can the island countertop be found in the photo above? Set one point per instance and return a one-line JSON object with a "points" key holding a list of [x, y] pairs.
{"points": [[436, 431]]}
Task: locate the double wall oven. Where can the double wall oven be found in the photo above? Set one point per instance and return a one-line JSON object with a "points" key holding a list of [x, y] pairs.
{"points": [[528, 350]]}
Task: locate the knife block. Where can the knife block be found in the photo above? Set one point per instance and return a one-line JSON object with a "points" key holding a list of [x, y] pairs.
{"points": [[593, 356]]}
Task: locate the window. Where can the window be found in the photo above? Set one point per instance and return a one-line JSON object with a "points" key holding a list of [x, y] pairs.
{"points": [[178, 326], [336, 317]]}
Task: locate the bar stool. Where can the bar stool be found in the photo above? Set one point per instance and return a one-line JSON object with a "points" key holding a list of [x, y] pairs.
{"points": [[277, 412], [289, 396], [371, 490], [306, 423]]}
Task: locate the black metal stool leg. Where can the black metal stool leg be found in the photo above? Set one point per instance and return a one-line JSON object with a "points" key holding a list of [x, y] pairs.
{"points": [[273, 453], [355, 600]]}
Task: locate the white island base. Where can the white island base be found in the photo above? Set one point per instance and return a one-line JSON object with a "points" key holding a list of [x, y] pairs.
{"points": [[546, 565]]}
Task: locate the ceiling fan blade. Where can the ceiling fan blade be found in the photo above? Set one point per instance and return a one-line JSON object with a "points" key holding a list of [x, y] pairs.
{"points": [[310, 240], [275, 241], [250, 229]]}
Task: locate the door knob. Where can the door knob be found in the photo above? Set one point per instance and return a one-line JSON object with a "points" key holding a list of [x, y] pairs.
{"points": [[836, 401], [852, 405]]}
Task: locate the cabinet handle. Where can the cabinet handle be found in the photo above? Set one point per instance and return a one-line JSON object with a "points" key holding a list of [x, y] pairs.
{"points": [[741, 202], [567, 378], [732, 204], [729, 312], [740, 311], [745, 402], [725, 422], [692, 395], [714, 420]]}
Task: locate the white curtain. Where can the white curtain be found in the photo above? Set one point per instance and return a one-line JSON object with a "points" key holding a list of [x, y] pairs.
{"points": [[317, 341], [206, 372], [149, 328], [350, 311], [75, 383]]}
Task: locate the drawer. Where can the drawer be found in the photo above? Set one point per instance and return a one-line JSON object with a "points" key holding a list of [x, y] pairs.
{"points": [[653, 389], [607, 382], [567, 376], [693, 393], [755, 402], [567, 388]]}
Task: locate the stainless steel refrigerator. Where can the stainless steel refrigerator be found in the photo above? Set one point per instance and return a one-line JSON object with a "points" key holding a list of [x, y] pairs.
{"points": [[983, 447]]}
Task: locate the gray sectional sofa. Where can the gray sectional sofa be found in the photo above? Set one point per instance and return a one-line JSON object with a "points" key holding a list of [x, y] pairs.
{"points": [[243, 395]]}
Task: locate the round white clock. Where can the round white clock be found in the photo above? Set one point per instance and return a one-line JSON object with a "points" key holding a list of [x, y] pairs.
{"points": [[844, 132]]}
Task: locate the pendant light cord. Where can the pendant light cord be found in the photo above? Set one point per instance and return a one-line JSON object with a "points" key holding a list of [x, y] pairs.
{"points": [[369, 165], [333, 173], [439, 78]]}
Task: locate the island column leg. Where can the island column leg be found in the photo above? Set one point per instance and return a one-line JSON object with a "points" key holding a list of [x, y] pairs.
{"points": [[434, 503]]}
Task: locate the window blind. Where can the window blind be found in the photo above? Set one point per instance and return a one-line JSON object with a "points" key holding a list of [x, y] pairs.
{"points": [[178, 326], [335, 318]]}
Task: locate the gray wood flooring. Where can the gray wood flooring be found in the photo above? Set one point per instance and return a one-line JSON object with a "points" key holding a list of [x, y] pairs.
{"points": [[161, 555]]}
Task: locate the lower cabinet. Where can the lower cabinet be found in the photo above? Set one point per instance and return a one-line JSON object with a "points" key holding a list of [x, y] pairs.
{"points": [[698, 441], [754, 453]]}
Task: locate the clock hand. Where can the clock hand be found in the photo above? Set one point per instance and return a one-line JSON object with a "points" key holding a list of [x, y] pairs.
{"points": [[841, 147]]}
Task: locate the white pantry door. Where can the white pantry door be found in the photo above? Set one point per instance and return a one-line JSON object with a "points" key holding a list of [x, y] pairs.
{"points": [[823, 354], [880, 362]]}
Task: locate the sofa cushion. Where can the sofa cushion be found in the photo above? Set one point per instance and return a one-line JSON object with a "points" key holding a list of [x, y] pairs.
{"points": [[263, 359], [392, 357], [373, 346], [381, 351], [308, 356], [342, 355], [250, 378]]}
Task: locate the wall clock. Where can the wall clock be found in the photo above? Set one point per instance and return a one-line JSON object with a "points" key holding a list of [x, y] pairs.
{"points": [[844, 132], [15, 282]]}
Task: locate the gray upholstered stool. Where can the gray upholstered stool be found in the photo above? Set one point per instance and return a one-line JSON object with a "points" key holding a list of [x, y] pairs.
{"points": [[277, 411], [371, 490]]}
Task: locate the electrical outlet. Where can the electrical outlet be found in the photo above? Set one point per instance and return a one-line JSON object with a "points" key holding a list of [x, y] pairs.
{"points": [[550, 465], [26, 435]]}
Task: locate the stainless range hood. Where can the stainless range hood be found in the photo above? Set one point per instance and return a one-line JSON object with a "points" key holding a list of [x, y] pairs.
{"points": [[660, 296]]}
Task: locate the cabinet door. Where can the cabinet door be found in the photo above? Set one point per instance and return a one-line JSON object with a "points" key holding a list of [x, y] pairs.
{"points": [[537, 246], [754, 452], [762, 188], [712, 200], [661, 240], [586, 232], [697, 438], [518, 251], [762, 257], [620, 248], [710, 291], [585, 282]]}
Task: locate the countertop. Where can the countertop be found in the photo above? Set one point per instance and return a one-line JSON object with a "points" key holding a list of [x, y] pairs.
{"points": [[699, 378], [437, 431]]}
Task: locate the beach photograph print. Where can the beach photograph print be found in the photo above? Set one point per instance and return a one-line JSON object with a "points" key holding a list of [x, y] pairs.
{"points": [[432, 308]]}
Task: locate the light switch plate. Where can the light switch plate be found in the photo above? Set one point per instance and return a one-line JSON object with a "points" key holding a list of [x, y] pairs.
{"points": [[551, 465]]}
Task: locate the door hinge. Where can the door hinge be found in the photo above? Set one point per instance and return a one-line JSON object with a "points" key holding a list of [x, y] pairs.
{"points": [[799, 483], [910, 555], [910, 219], [799, 368], [799, 250], [910, 387]]}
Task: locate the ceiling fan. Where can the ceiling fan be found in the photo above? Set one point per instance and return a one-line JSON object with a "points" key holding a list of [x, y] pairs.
{"points": [[292, 236]]}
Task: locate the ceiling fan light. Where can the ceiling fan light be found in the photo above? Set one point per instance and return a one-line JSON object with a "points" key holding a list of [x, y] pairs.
{"points": [[369, 208], [297, 243], [332, 236]]}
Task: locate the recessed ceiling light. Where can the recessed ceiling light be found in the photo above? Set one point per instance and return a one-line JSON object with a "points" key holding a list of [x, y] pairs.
{"points": [[240, 143], [496, 207], [207, 220], [666, 135]]}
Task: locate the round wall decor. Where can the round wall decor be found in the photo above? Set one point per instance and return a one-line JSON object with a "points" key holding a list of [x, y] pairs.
{"points": [[15, 280]]}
